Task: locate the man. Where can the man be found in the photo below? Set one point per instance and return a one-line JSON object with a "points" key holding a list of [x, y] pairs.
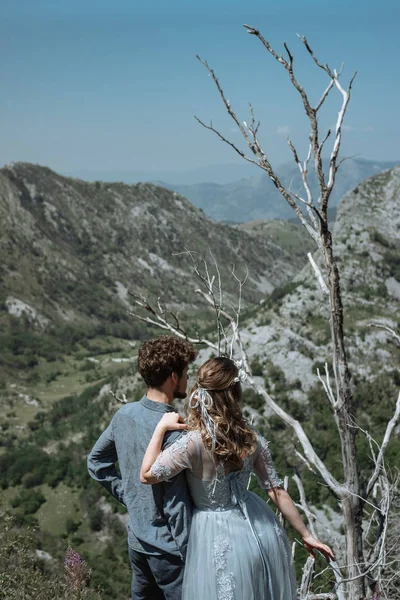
{"points": [[159, 515]]}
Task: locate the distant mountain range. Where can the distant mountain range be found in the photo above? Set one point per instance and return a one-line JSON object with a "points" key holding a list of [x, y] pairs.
{"points": [[256, 197], [217, 173]]}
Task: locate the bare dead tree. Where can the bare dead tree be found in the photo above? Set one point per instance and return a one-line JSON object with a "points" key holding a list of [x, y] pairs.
{"points": [[354, 576], [315, 220]]}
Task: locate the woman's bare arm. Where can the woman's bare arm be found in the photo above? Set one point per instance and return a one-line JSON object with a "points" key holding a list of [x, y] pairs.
{"points": [[286, 506], [170, 421]]}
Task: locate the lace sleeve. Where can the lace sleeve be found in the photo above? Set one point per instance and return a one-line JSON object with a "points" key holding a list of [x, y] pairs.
{"points": [[177, 457], [264, 467]]}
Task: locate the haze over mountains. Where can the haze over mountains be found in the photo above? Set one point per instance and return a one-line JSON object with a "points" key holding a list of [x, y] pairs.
{"points": [[257, 198], [241, 192], [218, 173]]}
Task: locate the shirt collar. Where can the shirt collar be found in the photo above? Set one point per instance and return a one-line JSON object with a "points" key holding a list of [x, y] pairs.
{"points": [[158, 406]]}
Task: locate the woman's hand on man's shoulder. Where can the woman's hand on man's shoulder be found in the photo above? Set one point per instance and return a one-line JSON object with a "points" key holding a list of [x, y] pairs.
{"points": [[172, 421]]}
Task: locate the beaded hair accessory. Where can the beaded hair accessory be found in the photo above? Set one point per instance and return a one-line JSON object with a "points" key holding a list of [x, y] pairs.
{"points": [[201, 398]]}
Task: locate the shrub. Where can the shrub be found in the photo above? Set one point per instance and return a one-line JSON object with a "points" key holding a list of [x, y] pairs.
{"points": [[377, 237], [95, 515], [23, 577], [391, 259], [256, 366], [276, 296], [29, 501], [252, 399]]}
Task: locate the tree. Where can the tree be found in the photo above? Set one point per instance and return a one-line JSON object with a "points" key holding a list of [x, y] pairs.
{"points": [[354, 498]]}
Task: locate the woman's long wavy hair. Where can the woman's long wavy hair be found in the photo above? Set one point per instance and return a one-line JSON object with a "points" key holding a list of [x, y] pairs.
{"points": [[235, 439]]}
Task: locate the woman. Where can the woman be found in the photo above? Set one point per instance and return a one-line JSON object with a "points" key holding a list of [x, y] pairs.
{"points": [[237, 548]]}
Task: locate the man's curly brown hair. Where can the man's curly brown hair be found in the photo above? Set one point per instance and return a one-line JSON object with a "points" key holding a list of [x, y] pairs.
{"points": [[159, 357]]}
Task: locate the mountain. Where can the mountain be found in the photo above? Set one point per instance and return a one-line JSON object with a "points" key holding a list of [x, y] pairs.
{"points": [[72, 250], [367, 244], [289, 236], [256, 197], [92, 235], [61, 234], [221, 174]]}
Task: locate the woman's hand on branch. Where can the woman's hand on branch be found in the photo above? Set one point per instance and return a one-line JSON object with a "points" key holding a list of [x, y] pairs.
{"points": [[311, 543]]}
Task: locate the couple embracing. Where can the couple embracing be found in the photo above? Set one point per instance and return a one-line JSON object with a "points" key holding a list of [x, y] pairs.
{"points": [[195, 531]]}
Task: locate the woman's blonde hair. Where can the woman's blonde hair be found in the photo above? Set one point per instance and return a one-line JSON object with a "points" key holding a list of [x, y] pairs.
{"points": [[235, 439]]}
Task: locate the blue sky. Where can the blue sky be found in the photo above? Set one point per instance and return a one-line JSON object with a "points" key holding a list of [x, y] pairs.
{"points": [[113, 85]]}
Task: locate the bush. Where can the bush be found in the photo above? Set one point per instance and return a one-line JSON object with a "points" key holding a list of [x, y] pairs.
{"points": [[15, 463], [22, 577], [391, 258], [29, 501], [280, 292], [88, 365], [30, 480], [251, 398], [52, 376], [72, 526], [256, 366], [95, 515], [377, 237]]}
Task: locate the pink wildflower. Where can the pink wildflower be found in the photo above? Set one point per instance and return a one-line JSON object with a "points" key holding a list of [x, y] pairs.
{"points": [[77, 570]]}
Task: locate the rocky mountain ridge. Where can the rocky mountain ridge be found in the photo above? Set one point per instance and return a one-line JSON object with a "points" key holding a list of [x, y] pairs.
{"points": [[294, 333], [71, 250]]}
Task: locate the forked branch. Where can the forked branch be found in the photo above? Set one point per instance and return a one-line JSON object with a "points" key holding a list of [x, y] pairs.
{"points": [[249, 133]]}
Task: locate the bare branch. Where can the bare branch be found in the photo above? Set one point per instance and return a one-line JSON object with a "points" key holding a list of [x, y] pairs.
{"points": [[304, 175], [342, 160], [253, 31], [327, 387], [318, 275], [311, 53], [308, 449], [303, 503], [225, 101], [305, 461], [306, 579], [386, 438], [123, 400], [387, 328], [231, 144], [311, 112], [288, 53], [324, 95], [338, 138], [161, 321], [323, 596], [252, 142]]}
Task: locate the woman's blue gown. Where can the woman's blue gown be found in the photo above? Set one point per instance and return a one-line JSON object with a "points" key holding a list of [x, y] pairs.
{"points": [[237, 548]]}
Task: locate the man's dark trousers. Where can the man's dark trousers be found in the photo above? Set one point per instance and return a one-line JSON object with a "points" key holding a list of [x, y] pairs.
{"points": [[156, 577]]}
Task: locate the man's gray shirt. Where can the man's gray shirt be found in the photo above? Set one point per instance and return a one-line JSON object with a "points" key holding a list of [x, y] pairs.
{"points": [[159, 515]]}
